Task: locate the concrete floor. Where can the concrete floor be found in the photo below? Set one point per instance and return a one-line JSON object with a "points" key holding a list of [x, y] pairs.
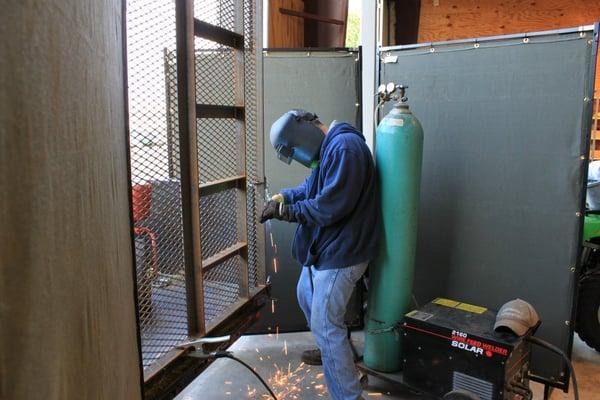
{"points": [[274, 355]]}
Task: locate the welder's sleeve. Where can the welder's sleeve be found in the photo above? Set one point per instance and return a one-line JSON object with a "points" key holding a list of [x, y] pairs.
{"points": [[344, 178], [293, 195]]}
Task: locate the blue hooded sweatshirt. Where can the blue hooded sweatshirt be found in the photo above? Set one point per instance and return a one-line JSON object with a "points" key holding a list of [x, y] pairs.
{"points": [[337, 205]]}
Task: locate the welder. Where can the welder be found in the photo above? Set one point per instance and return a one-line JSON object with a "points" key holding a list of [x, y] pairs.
{"points": [[337, 213]]}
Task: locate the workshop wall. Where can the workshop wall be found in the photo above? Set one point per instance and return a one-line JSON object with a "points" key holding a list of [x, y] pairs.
{"points": [[67, 315]]}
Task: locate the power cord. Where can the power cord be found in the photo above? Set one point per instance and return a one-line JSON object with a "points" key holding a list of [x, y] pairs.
{"points": [[228, 354], [551, 347]]}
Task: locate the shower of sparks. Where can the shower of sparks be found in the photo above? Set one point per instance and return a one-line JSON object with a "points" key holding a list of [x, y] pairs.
{"points": [[288, 384], [285, 347], [275, 264]]}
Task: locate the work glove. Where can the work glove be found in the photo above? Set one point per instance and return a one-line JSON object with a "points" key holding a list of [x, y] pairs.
{"points": [[277, 210], [278, 198]]}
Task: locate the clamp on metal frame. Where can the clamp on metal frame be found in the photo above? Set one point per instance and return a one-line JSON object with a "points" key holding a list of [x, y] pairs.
{"points": [[198, 346]]}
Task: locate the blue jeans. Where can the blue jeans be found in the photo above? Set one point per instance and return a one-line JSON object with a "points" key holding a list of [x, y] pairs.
{"points": [[324, 304]]}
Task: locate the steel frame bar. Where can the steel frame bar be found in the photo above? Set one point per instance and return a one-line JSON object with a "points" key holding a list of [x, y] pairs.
{"points": [[223, 255], [219, 35], [208, 188], [192, 244], [310, 16], [216, 111], [187, 29]]}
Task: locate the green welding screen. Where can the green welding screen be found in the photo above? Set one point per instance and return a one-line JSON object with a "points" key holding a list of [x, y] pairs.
{"points": [[326, 83], [506, 124]]}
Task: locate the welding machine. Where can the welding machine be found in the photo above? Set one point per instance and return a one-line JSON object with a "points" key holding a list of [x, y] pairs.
{"points": [[452, 350]]}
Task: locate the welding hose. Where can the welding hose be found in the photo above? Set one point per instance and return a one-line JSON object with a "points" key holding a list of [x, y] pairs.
{"points": [[551, 347], [227, 354]]}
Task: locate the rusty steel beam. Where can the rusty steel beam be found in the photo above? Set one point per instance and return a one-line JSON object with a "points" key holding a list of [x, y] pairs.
{"points": [[310, 17], [232, 182], [223, 256], [219, 35], [217, 111], [190, 198]]}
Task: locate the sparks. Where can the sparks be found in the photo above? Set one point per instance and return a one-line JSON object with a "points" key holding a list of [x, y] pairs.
{"points": [[272, 306], [287, 385], [285, 347], [374, 394], [275, 264], [271, 235]]}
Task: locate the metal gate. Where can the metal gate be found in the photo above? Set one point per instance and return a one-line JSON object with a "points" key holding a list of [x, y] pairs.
{"points": [[196, 165]]}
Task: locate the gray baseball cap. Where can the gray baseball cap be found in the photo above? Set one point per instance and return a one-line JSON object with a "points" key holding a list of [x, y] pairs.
{"points": [[517, 315]]}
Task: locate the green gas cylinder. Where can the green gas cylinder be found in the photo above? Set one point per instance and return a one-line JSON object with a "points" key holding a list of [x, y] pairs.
{"points": [[398, 156]]}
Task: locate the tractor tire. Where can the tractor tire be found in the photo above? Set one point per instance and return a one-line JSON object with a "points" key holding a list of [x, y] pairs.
{"points": [[587, 323]]}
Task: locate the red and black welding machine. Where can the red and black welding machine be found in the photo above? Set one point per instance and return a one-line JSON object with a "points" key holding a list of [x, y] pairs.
{"points": [[451, 347]]}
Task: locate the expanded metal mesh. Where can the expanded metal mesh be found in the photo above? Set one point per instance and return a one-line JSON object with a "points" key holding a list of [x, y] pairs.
{"points": [[156, 191], [219, 221], [221, 288], [155, 169], [218, 86], [219, 146], [220, 13]]}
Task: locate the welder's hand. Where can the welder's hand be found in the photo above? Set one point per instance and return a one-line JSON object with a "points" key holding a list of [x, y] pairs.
{"points": [[278, 198], [269, 212], [278, 211]]}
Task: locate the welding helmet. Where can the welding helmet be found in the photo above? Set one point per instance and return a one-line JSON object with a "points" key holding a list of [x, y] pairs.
{"points": [[296, 136]]}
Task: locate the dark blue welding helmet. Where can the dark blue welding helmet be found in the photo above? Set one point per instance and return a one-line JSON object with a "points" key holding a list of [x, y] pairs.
{"points": [[296, 136]]}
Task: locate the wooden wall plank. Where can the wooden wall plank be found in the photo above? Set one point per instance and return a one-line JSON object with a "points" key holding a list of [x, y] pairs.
{"points": [[461, 19], [285, 31]]}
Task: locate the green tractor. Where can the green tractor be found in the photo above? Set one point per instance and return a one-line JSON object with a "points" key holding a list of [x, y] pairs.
{"points": [[587, 323]]}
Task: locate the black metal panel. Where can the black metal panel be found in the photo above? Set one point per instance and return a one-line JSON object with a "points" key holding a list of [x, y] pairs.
{"points": [[317, 80], [506, 136]]}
